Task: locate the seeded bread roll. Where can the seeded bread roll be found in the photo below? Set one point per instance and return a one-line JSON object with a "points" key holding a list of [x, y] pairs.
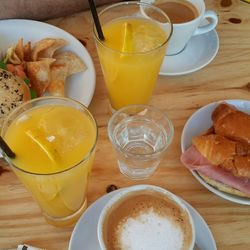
{"points": [[13, 92]]}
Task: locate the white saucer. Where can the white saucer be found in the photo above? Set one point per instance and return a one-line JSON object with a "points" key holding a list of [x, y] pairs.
{"points": [[84, 235], [199, 52], [199, 122]]}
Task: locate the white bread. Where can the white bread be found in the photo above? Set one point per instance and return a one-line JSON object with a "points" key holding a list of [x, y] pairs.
{"points": [[13, 92]]}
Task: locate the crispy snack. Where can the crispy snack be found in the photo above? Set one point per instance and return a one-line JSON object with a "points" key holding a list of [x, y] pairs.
{"points": [[46, 69], [67, 63], [59, 73], [12, 56], [75, 64], [45, 48], [39, 74], [27, 52], [19, 49]]}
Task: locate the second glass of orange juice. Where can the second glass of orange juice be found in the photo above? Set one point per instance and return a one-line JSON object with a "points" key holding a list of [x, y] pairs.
{"points": [[136, 36], [54, 141]]}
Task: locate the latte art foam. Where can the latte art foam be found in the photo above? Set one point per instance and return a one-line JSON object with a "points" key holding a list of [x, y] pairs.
{"points": [[147, 220], [149, 231]]}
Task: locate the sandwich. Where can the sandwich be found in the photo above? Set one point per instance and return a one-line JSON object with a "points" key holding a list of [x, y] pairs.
{"points": [[221, 156], [13, 92]]}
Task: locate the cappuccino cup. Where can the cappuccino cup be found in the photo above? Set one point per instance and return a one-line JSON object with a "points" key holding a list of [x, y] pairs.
{"points": [[145, 217], [189, 18]]}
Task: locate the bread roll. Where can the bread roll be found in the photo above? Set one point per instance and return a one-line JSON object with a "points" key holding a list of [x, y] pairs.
{"points": [[13, 92], [223, 187], [230, 155], [231, 123]]}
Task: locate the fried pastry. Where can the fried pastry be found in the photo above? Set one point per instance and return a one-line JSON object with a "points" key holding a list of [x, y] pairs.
{"points": [[40, 75]]}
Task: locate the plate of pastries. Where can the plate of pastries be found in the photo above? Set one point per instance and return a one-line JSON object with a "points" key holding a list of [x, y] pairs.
{"points": [[38, 59], [215, 146]]}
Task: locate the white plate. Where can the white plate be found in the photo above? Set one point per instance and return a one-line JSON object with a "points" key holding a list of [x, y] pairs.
{"points": [[199, 122], [80, 86], [84, 235], [199, 52]]}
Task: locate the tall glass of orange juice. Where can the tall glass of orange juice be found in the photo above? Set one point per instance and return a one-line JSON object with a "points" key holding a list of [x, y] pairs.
{"points": [[54, 141], [136, 36]]}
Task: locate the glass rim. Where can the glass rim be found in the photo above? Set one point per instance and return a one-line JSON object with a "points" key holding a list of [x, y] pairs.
{"points": [[86, 157], [102, 43], [170, 135]]}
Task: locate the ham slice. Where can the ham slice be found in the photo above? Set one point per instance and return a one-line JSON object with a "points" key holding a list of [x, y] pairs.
{"points": [[193, 160]]}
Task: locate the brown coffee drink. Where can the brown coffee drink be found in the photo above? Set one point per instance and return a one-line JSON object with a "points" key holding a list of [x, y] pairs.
{"points": [[147, 219], [179, 11]]}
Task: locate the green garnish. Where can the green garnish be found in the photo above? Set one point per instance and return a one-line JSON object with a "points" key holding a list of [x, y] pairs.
{"points": [[3, 65], [33, 93], [27, 81]]}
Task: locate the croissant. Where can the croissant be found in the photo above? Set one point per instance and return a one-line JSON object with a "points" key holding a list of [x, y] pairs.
{"points": [[231, 123], [233, 156]]}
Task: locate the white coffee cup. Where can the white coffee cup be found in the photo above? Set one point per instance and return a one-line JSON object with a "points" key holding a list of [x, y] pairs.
{"points": [[205, 21], [145, 217]]}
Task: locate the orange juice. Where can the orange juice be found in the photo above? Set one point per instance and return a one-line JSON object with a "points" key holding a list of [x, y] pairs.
{"points": [[131, 56], [54, 154]]}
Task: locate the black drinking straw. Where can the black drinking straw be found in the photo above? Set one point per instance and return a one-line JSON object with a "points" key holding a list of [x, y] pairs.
{"points": [[96, 20], [6, 149]]}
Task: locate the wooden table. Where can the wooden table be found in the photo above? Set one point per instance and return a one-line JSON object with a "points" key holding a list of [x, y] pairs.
{"points": [[226, 77]]}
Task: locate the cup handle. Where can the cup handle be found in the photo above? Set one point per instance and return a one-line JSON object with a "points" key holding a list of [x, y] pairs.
{"points": [[210, 26]]}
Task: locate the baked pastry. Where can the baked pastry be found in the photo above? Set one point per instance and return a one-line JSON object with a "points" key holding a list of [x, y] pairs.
{"points": [[231, 123], [230, 155]]}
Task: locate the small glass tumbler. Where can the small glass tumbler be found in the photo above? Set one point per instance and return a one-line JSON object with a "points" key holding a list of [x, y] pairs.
{"points": [[140, 135]]}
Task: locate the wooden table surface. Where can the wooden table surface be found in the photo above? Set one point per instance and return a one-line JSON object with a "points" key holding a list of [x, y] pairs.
{"points": [[226, 77]]}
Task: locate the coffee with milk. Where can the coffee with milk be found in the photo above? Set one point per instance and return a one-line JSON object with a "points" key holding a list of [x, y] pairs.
{"points": [[179, 11], [148, 220], [189, 18]]}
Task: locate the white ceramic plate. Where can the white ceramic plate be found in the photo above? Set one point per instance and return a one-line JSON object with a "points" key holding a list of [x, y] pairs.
{"points": [[84, 235], [80, 86], [199, 52], [199, 122]]}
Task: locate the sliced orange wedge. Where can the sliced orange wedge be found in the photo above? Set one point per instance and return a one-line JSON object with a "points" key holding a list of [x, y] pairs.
{"points": [[127, 45], [39, 138]]}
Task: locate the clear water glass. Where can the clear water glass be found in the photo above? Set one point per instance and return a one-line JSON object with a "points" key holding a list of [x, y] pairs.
{"points": [[140, 135]]}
